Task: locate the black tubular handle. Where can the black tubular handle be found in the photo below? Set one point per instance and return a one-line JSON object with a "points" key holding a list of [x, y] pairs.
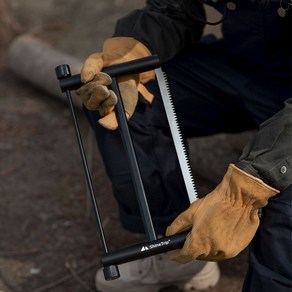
{"points": [[143, 250], [132, 67]]}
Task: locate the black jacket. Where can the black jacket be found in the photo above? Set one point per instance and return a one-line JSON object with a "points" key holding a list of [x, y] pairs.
{"points": [[256, 38]]}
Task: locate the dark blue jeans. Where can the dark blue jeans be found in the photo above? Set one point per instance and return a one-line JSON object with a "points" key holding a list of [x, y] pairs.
{"points": [[211, 95], [270, 258]]}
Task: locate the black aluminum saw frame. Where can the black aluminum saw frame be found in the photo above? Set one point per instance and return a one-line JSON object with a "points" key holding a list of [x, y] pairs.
{"points": [[111, 260]]}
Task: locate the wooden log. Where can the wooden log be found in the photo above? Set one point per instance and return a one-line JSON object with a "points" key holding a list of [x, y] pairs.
{"points": [[9, 25], [35, 60]]}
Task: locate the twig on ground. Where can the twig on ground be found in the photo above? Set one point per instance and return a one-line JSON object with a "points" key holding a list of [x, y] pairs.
{"points": [[7, 283], [76, 276], [32, 252], [18, 253], [63, 279]]}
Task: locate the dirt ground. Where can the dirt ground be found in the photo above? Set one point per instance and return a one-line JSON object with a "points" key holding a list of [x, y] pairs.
{"points": [[48, 235]]}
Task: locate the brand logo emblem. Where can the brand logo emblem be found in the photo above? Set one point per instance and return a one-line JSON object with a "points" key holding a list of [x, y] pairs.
{"points": [[144, 248]]}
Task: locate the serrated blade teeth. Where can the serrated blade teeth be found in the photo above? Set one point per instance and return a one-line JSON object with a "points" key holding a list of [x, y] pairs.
{"points": [[176, 134]]}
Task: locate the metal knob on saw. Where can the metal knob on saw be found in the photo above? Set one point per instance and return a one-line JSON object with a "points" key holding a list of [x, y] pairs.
{"points": [[63, 71]]}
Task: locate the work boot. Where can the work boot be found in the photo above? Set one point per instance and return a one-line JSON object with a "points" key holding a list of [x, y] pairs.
{"points": [[156, 272]]}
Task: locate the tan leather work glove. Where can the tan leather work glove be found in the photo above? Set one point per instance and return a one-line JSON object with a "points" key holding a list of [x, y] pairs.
{"points": [[95, 94], [224, 222]]}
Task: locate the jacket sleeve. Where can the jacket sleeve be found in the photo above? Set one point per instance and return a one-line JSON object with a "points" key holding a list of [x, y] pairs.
{"points": [[166, 27], [269, 154]]}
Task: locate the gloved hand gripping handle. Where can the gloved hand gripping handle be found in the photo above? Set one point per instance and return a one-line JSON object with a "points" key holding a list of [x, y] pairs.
{"points": [[68, 82], [153, 246]]}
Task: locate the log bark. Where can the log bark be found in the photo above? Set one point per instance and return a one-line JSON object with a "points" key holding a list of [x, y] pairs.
{"points": [[9, 25]]}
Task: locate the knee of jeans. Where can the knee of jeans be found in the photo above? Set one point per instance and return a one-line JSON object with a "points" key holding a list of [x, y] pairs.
{"points": [[151, 185]]}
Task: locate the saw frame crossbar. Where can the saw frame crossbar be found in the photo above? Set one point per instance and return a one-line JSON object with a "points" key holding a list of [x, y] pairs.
{"points": [[111, 260]]}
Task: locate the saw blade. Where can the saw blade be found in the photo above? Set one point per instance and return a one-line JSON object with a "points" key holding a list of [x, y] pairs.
{"points": [[176, 135]]}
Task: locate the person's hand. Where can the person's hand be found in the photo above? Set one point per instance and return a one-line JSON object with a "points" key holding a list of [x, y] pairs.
{"points": [[224, 222], [95, 94]]}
